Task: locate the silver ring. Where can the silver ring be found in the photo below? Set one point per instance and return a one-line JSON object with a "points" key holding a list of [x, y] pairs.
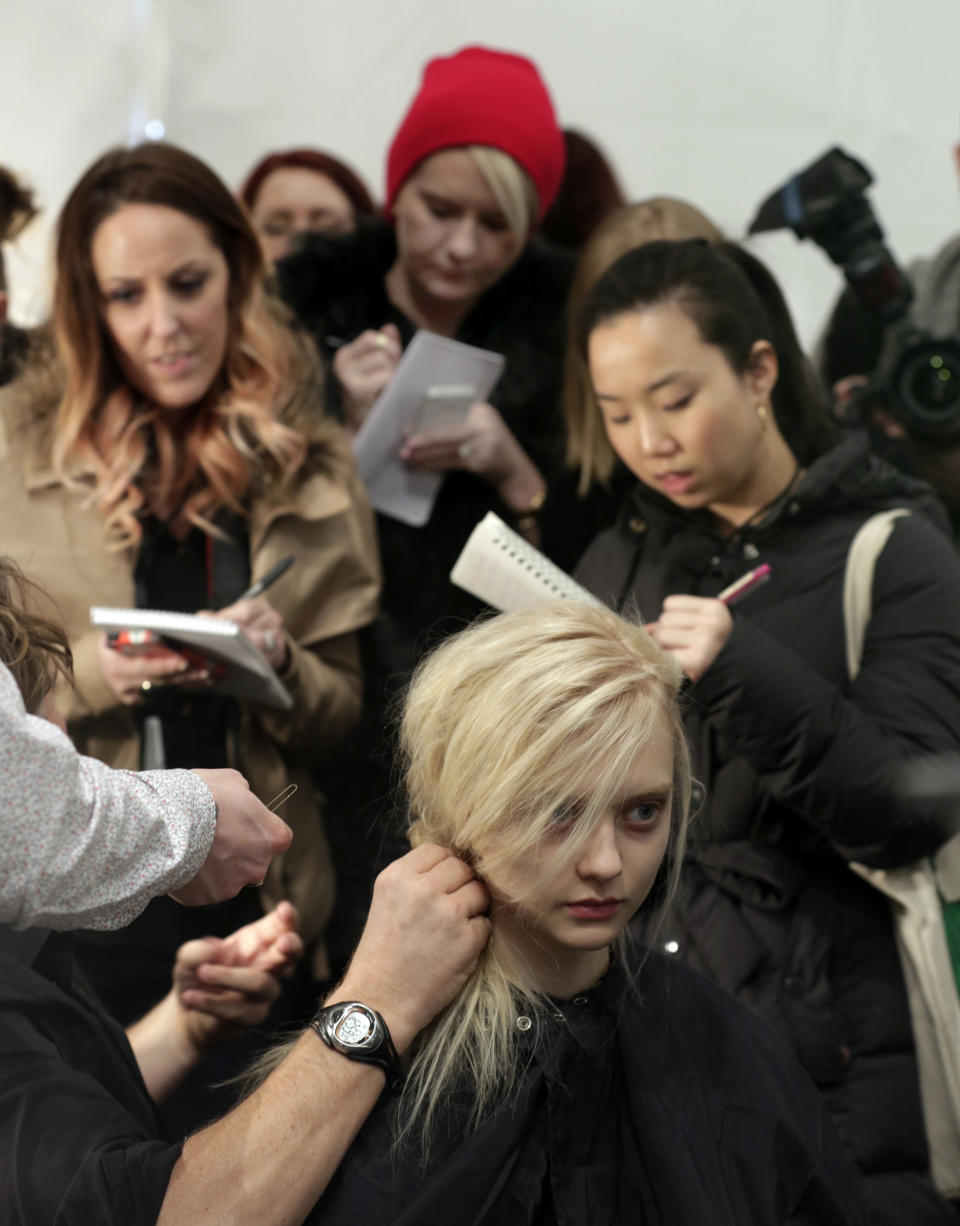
{"points": [[270, 641], [463, 451]]}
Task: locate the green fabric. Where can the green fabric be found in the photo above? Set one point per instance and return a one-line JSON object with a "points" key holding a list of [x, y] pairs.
{"points": [[951, 924]]}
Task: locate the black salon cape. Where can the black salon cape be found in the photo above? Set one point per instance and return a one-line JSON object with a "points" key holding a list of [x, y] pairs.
{"points": [[665, 1104], [80, 1141]]}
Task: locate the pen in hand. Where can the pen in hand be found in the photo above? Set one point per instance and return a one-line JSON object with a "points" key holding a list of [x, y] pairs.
{"points": [[745, 585], [256, 589]]}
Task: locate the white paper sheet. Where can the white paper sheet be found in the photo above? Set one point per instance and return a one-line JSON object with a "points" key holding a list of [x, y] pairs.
{"points": [[428, 361]]}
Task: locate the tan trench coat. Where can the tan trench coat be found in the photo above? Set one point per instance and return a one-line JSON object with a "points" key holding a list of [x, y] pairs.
{"points": [[323, 518]]}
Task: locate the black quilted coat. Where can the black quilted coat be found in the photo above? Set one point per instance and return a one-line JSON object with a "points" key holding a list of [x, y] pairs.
{"points": [[801, 768]]}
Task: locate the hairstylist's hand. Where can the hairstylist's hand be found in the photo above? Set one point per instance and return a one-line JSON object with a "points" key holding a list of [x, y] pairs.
{"points": [[264, 625], [246, 839], [125, 674], [223, 986], [693, 629], [484, 444], [364, 367], [426, 929]]}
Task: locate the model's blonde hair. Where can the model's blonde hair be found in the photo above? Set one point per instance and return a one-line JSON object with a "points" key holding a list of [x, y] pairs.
{"points": [[660, 217], [510, 186], [505, 726], [234, 439]]}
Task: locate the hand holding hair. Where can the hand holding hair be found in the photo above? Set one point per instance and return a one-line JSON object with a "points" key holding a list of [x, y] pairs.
{"points": [[426, 929]]}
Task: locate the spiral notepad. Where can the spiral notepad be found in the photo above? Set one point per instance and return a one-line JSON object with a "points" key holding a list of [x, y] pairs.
{"points": [[501, 568], [249, 674]]}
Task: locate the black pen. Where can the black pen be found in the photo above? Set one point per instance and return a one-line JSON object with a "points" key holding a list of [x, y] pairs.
{"points": [[269, 578]]}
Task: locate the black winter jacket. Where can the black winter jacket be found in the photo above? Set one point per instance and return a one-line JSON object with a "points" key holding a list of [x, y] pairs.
{"points": [[658, 1104], [802, 771], [336, 288]]}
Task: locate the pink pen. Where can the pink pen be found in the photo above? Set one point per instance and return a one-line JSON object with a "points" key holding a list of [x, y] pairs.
{"points": [[745, 585]]}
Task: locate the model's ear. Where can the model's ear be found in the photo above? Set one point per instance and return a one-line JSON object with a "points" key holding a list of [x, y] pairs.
{"points": [[887, 423], [762, 370]]}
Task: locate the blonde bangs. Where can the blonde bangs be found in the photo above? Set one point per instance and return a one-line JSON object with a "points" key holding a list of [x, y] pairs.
{"points": [[510, 186]]}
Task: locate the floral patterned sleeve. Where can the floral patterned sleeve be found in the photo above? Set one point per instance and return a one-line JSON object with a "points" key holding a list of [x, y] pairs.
{"points": [[81, 845]]}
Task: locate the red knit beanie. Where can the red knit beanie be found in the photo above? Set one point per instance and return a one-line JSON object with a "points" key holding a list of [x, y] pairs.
{"points": [[481, 97]]}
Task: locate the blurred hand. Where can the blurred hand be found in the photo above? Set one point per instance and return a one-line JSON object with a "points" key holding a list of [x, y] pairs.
{"points": [[363, 368], [843, 392], [482, 444], [223, 986], [424, 934], [125, 674], [246, 839], [693, 629], [264, 625]]}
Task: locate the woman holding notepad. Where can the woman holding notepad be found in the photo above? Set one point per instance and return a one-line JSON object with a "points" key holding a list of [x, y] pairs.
{"points": [[471, 169], [699, 386], [168, 456]]}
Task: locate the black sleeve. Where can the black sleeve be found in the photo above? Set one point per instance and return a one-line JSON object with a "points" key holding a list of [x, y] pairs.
{"points": [[834, 753], [72, 1155]]}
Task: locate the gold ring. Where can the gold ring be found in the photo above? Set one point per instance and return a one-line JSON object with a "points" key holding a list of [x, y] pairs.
{"points": [[381, 342], [146, 687]]}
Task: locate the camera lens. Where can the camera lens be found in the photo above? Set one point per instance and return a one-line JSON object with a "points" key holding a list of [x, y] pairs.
{"points": [[927, 386]]}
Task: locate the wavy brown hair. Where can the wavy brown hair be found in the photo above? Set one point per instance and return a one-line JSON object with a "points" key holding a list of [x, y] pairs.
{"points": [[235, 440], [34, 647]]}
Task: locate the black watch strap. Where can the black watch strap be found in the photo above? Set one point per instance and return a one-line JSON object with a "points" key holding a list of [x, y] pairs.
{"points": [[359, 1033]]}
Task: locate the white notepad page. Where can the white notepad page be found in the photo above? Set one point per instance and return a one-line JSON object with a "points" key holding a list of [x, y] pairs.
{"points": [[250, 673], [498, 566], [428, 361]]}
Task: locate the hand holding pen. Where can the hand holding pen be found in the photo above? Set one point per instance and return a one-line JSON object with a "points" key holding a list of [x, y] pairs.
{"points": [[694, 629], [260, 620]]}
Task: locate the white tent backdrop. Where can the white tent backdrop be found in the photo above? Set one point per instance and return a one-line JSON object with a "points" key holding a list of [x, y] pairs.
{"points": [[715, 102]]}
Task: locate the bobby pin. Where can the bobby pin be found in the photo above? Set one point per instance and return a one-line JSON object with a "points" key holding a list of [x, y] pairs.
{"points": [[282, 797]]}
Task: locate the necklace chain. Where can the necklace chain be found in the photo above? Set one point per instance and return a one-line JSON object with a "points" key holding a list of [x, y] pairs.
{"points": [[762, 512]]}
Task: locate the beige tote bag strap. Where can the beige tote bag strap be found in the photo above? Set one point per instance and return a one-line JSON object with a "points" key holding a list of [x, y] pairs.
{"points": [[865, 548], [918, 921]]}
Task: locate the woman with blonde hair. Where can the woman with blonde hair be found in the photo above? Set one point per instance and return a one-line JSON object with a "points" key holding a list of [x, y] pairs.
{"points": [[470, 172], [171, 453], [575, 1077]]}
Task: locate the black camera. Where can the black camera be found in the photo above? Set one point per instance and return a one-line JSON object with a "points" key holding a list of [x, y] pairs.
{"points": [[917, 377]]}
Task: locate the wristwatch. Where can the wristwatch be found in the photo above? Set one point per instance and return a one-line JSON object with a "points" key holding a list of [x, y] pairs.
{"points": [[359, 1033]]}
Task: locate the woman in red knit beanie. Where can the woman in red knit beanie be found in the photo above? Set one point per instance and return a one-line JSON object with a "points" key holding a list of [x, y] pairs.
{"points": [[473, 166]]}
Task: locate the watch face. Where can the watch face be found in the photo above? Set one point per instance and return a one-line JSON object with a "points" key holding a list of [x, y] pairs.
{"points": [[354, 1028]]}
